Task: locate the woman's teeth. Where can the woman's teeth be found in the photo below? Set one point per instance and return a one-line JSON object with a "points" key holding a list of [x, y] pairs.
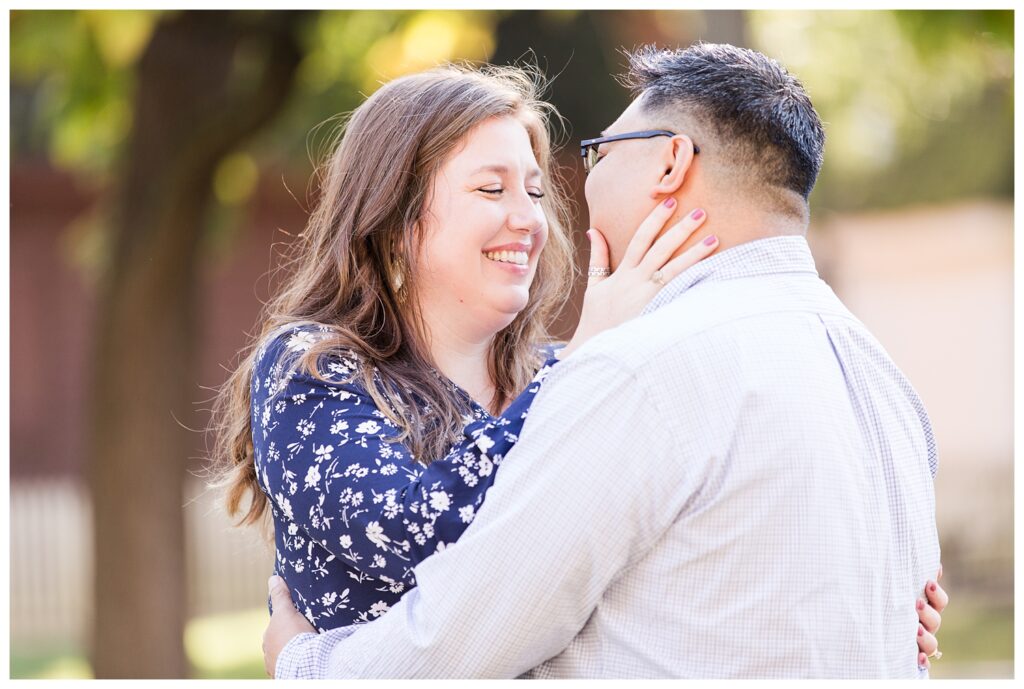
{"points": [[520, 258]]}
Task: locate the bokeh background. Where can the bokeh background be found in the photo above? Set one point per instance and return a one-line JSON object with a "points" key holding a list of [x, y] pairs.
{"points": [[158, 158]]}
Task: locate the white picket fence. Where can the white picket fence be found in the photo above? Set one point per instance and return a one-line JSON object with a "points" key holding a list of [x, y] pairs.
{"points": [[51, 560]]}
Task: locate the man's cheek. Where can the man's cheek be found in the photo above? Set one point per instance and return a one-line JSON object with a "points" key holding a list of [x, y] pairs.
{"points": [[618, 231]]}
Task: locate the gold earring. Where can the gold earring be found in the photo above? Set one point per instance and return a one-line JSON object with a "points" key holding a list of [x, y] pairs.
{"points": [[398, 275]]}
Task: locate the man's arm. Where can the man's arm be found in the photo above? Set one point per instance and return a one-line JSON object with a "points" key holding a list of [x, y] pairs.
{"points": [[286, 624], [581, 497]]}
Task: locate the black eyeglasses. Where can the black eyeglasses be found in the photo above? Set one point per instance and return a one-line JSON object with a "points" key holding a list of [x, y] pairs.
{"points": [[588, 147]]}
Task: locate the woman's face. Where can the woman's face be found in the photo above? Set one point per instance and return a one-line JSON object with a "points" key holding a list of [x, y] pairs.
{"points": [[483, 229]]}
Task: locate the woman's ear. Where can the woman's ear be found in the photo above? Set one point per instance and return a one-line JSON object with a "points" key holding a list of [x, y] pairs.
{"points": [[677, 160]]}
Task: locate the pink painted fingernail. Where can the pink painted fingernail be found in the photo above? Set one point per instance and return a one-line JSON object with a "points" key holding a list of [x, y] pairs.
{"points": [[710, 240], [670, 202], [920, 630], [697, 214], [932, 588], [920, 604]]}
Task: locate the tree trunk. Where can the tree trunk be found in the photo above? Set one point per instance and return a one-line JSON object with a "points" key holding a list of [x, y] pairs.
{"points": [[193, 105]]}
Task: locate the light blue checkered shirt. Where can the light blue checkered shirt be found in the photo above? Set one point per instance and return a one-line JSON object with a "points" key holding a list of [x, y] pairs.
{"points": [[738, 483]]}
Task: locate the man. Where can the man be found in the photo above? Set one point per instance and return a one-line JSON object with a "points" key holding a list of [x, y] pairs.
{"points": [[736, 484]]}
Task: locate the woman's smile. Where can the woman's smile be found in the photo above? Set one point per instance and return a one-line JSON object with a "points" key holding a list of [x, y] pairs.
{"points": [[513, 257]]}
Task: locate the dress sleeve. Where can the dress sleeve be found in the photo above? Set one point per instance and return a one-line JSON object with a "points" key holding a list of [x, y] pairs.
{"points": [[331, 463]]}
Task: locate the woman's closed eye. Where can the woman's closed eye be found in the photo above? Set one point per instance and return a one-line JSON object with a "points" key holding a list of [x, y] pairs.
{"points": [[535, 193]]}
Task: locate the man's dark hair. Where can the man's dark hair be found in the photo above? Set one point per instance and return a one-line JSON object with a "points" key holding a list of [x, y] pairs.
{"points": [[760, 114]]}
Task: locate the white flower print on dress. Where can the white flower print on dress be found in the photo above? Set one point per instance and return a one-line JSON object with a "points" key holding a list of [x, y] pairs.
{"points": [[375, 533], [484, 442], [285, 505], [313, 476], [305, 427], [391, 509], [468, 477], [328, 599], [353, 510], [440, 501], [368, 428], [301, 341]]}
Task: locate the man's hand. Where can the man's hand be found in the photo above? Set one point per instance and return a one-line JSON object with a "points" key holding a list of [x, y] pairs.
{"points": [[285, 624]]}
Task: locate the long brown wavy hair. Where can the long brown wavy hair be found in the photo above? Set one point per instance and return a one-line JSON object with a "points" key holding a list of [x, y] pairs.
{"points": [[342, 272]]}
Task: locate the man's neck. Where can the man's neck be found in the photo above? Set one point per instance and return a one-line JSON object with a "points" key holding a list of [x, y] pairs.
{"points": [[735, 226]]}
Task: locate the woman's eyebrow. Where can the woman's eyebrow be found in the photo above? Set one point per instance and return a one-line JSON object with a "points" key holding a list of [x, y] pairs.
{"points": [[503, 170]]}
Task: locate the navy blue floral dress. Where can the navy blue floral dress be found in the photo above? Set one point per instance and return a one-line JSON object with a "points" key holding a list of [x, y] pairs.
{"points": [[353, 511]]}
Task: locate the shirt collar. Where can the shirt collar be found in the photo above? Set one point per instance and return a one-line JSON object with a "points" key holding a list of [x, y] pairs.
{"points": [[771, 256]]}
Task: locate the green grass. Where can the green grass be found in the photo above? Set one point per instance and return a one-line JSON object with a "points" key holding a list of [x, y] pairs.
{"points": [[227, 646], [59, 661], [224, 646], [976, 640], [987, 635]]}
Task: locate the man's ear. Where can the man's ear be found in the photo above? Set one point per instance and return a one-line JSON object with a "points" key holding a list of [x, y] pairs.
{"points": [[677, 160]]}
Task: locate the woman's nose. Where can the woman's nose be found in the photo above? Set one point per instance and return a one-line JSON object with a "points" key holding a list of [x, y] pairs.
{"points": [[526, 219]]}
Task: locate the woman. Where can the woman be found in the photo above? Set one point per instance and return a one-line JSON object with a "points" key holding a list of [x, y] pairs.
{"points": [[409, 331], [396, 367]]}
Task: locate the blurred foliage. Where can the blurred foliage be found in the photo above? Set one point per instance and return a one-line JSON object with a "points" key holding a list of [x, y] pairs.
{"points": [[74, 70], [349, 54], [918, 104], [72, 78]]}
